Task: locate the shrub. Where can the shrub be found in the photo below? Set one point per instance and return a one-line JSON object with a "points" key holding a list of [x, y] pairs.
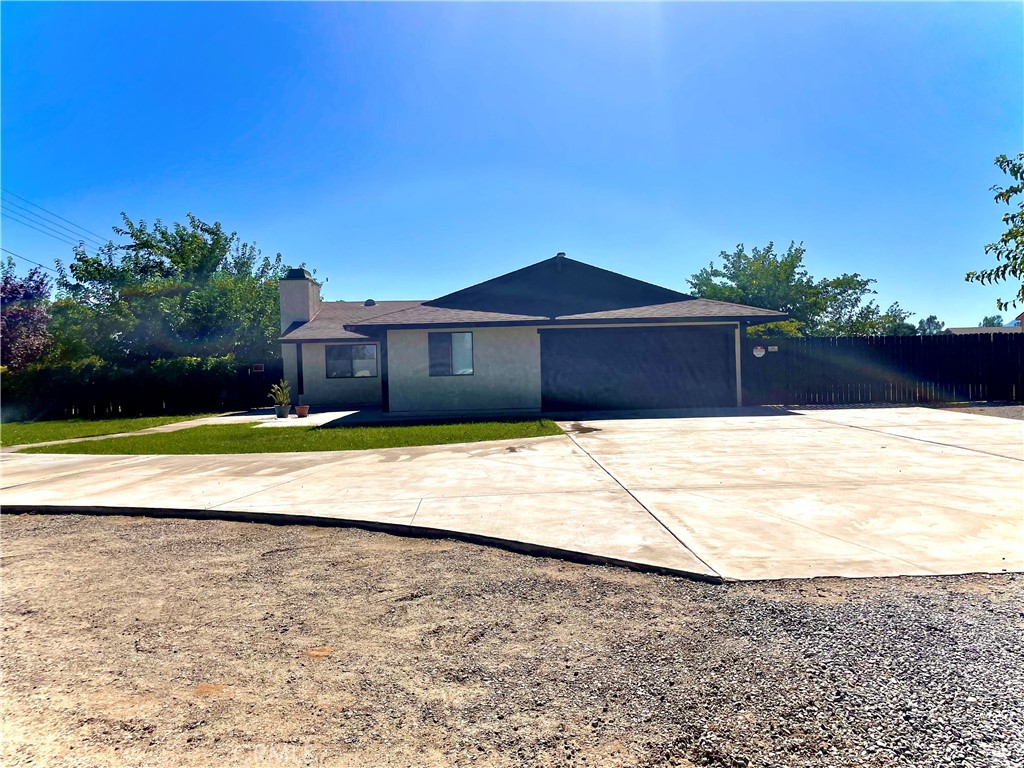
{"points": [[92, 388]]}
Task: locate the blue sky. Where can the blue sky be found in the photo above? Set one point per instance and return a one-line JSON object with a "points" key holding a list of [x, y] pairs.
{"points": [[407, 150]]}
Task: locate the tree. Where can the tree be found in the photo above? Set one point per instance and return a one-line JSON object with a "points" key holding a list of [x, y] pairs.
{"points": [[930, 326], [992, 321], [894, 323], [839, 306], [762, 278], [846, 313], [24, 336], [1009, 249], [188, 290]]}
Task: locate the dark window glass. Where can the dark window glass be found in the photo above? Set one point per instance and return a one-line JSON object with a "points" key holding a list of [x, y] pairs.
{"points": [[348, 361], [451, 354], [440, 346]]}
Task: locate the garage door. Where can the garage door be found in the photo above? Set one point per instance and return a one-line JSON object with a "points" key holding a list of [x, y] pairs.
{"points": [[627, 368]]}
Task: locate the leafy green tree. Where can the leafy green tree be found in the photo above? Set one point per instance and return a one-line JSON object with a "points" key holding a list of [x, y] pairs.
{"points": [[930, 326], [1009, 249], [896, 325], [187, 290], [839, 306], [848, 310], [24, 319], [992, 321], [762, 278]]}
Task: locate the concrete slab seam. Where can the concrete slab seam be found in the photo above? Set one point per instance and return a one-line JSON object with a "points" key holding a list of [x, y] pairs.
{"points": [[643, 506], [268, 488], [62, 476], [371, 499], [914, 439]]}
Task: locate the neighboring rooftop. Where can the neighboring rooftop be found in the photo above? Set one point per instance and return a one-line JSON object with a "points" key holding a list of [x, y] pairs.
{"points": [[985, 329]]}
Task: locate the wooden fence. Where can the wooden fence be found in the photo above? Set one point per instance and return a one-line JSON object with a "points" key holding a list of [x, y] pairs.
{"points": [[886, 369]]}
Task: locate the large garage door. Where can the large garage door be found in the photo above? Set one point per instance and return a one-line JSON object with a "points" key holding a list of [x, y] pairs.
{"points": [[626, 368]]}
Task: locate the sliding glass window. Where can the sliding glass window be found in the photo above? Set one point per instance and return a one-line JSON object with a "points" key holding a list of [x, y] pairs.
{"points": [[351, 361]]}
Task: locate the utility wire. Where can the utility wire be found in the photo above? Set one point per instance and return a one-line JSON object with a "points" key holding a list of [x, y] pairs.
{"points": [[19, 217], [52, 233], [27, 212], [58, 237], [8, 192], [19, 256]]}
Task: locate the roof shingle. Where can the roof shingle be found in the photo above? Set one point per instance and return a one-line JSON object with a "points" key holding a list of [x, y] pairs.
{"points": [[331, 321], [554, 291]]}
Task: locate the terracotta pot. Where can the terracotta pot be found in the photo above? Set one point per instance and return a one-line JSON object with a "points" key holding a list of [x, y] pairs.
{"points": [[302, 411]]}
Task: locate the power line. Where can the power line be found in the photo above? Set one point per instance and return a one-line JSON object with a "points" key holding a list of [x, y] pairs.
{"points": [[7, 191], [19, 217], [19, 256], [52, 233], [26, 212], [59, 237]]}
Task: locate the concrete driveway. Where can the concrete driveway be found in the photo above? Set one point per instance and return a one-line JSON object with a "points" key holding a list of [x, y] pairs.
{"points": [[756, 494], [844, 492]]}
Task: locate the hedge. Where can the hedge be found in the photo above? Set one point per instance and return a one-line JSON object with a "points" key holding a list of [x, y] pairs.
{"points": [[93, 388]]}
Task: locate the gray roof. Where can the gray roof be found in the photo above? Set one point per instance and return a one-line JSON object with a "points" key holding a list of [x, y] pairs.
{"points": [[974, 330], [330, 321], [554, 291], [426, 313]]}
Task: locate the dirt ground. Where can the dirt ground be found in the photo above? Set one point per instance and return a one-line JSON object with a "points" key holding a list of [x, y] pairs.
{"points": [[146, 642]]}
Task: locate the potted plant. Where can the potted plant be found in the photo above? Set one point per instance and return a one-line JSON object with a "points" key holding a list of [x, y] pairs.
{"points": [[281, 394]]}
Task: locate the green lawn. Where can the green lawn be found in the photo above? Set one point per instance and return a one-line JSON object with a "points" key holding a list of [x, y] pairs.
{"points": [[23, 433], [246, 438]]}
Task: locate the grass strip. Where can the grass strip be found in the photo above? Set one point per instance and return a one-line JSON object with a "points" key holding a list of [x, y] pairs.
{"points": [[27, 432], [246, 438]]}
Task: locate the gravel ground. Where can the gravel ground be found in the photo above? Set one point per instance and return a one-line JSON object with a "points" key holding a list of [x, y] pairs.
{"points": [[1001, 410], [132, 641]]}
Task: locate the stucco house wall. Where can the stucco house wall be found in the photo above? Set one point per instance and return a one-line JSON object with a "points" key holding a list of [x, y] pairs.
{"points": [[288, 368], [300, 298], [506, 372], [320, 390]]}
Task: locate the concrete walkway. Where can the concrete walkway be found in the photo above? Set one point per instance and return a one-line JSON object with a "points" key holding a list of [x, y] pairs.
{"points": [[756, 494], [262, 417]]}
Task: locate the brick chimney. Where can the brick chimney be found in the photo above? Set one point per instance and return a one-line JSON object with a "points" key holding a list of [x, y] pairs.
{"points": [[300, 297]]}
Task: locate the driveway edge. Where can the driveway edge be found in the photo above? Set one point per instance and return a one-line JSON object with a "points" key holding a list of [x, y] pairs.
{"points": [[395, 529]]}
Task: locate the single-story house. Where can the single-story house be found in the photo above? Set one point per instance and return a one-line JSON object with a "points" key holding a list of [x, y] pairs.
{"points": [[975, 330], [559, 335], [1014, 326]]}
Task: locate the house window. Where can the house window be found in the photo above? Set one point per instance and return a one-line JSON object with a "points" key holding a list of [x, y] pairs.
{"points": [[451, 354], [351, 361]]}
